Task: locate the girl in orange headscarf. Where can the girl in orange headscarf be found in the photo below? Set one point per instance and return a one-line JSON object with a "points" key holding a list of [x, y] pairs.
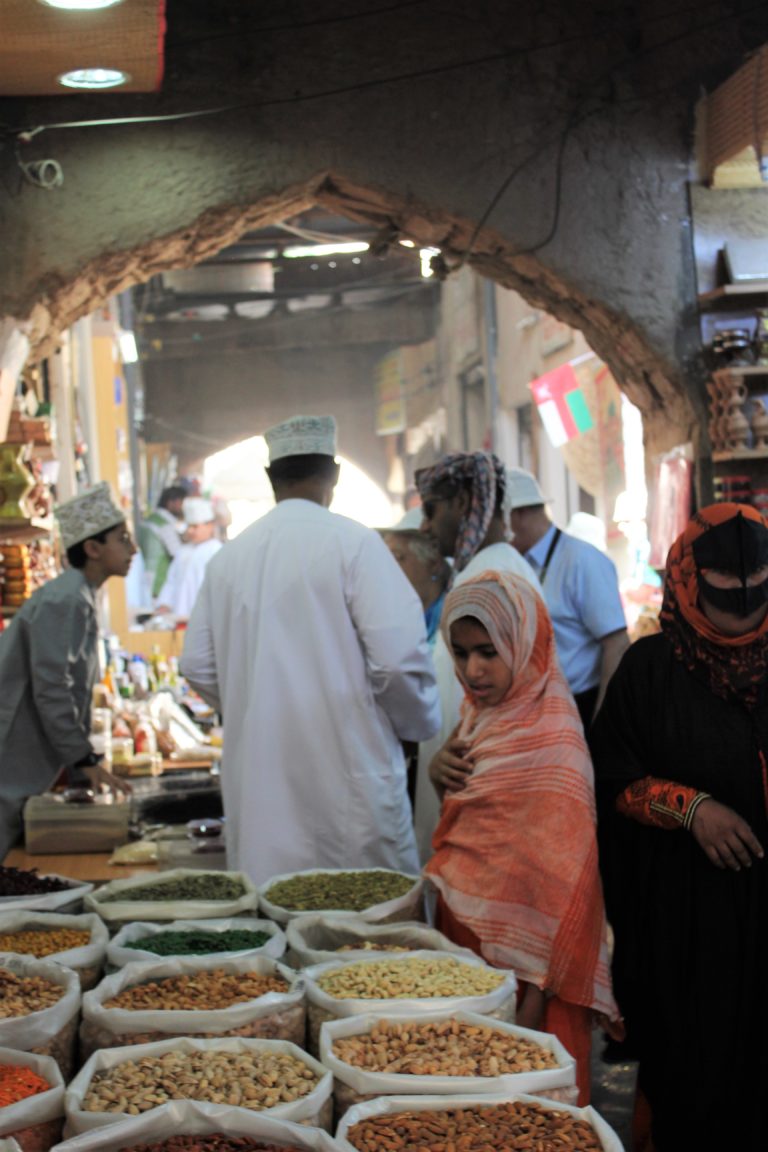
{"points": [[680, 750], [515, 852]]}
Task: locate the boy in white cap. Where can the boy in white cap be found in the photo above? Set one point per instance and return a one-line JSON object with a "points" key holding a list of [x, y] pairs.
{"points": [[310, 641], [185, 575], [49, 663]]}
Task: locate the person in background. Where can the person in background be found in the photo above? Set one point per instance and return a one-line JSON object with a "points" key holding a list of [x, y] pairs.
{"points": [[515, 852], [580, 588], [420, 559], [310, 641], [160, 537], [49, 664], [185, 575], [680, 749], [462, 504]]}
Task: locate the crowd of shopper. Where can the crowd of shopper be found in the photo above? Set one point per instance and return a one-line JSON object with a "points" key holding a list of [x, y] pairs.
{"points": [[329, 648]]}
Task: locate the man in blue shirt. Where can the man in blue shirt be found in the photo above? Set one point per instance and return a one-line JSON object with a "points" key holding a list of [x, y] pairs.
{"points": [[581, 590]]}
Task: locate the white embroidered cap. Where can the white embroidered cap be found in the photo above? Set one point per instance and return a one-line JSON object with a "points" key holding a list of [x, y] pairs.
{"points": [[195, 510], [88, 514], [302, 436]]}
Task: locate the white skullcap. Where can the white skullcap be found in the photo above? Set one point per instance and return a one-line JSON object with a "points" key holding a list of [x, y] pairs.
{"points": [[410, 522], [195, 510], [302, 436], [87, 515]]}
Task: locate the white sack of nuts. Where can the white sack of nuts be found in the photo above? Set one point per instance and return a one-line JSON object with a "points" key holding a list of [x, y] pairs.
{"points": [[603, 1136], [187, 1118], [37, 1120], [87, 960], [411, 983], [182, 986], [118, 954], [159, 906], [408, 906], [257, 1075], [441, 1052], [47, 1026], [317, 939]]}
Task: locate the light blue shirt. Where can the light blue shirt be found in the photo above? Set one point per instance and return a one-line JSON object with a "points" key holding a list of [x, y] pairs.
{"points": [[581, 589]]}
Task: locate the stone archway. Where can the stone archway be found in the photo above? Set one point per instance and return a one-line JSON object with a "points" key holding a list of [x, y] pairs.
{"points": [[650, 380]]}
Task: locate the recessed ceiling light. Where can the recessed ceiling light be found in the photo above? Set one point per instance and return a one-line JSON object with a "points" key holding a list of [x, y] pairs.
{"points": [[94, 78], [83, 5]]}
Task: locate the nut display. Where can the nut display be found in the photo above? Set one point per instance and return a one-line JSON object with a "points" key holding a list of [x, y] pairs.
{"points": [[199, 942], [255, 1080], [20, 995], [197, 991], [346, 891], [43, 941], [206, 886], [412, 977], [213, 1142], [27, 882], [514, 1127], [441, 1048]]}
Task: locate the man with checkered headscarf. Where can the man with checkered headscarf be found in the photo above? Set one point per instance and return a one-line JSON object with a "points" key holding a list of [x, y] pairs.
{"points": [[462, 501]]}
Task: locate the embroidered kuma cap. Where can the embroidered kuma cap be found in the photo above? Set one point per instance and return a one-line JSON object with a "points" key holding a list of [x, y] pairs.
{"points": [[302, 436], [88, 514], [195, 510]]}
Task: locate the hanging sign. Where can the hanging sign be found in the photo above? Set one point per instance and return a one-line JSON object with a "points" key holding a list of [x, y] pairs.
{"points": [[561, 404]]}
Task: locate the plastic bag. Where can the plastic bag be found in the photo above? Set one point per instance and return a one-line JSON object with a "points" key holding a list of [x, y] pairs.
{"points": [[118, 955], [406, 907], [120, 911], [36, 1122], [65, 900], [87, 961], [188, 1118], [500, 1003], [352, 1085], [273, 1016], [315, 1108], [49, 1031], [388, 1105], [313, 939]]}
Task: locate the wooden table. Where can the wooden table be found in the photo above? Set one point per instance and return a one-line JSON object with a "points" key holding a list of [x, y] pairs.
{"points": [[90, 867]]}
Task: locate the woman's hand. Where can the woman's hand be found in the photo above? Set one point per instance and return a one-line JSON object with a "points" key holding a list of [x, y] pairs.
{"points": [[450, 768], [98, 775], [530, 1010], [726, 838]]}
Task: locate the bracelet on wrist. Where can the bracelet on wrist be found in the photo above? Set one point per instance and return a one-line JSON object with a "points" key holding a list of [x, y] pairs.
{"points": [[692, 808]]}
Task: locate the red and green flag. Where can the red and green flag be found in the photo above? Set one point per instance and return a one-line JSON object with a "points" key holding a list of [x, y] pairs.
{"points": [[562, 405]]}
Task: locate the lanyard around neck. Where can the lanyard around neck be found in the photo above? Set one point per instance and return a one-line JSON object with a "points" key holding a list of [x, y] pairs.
{"points": [[549, 555]]}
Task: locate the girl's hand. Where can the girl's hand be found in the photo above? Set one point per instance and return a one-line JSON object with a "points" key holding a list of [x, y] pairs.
{"points": [[451, 766], [726, 838]]}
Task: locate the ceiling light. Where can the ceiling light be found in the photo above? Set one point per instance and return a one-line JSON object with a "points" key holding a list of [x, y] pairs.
{"points": [[94, 78], [82, 5], [296, 251]]}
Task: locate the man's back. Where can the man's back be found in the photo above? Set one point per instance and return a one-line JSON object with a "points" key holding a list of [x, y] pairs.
{"points": [[312, 641]]}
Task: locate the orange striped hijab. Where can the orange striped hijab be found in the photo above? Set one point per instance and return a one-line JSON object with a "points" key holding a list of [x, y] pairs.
{"points": [[515, 853]]}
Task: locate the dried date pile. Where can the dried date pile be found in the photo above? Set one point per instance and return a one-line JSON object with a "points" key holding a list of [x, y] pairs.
{"points": [[28, 882], [514, 1127]]}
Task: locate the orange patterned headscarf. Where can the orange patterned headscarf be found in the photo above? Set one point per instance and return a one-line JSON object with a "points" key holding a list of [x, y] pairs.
{"points": [[515, 854], [732, 666]]}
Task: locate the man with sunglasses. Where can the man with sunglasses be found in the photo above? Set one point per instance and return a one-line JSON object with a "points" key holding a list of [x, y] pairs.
{"points": [[462, 501]]}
